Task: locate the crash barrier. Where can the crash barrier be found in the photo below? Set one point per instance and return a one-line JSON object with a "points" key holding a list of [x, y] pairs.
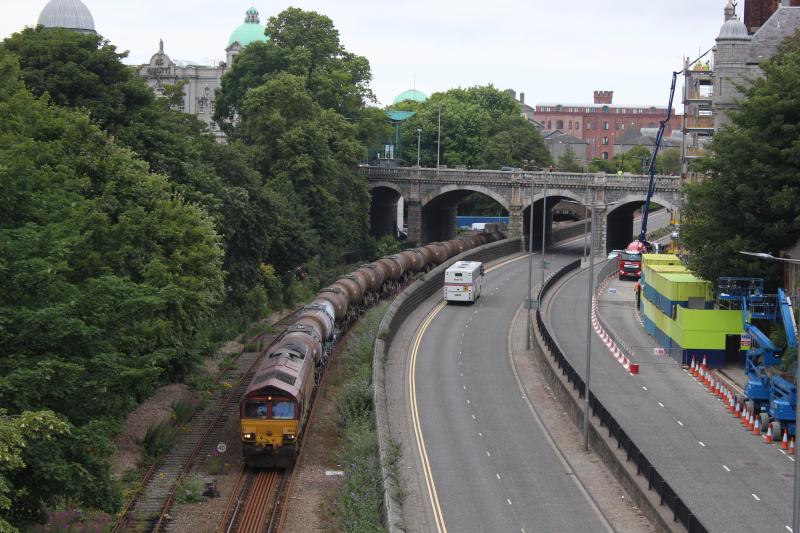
{"points": [[680, 511], [406, 303]]}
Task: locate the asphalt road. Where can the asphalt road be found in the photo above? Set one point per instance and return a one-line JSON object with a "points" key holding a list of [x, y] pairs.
{"points": [[728, 477], [492, 462]]}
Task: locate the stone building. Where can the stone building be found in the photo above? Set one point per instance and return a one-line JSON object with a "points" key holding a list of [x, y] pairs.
{"points": [[756, 12], [202, 81], [711, 91]]}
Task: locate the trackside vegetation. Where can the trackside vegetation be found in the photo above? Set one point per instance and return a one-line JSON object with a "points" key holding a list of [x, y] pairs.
{"points": [[361, 498]]}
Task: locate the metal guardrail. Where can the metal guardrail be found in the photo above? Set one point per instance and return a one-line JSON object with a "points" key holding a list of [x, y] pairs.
{"points": [[680, 511]]}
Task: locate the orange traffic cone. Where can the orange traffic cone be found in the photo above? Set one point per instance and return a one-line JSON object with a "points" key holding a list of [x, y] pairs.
{"points": [[751, 422], [785, 440], [693, 368], [791, 446], [756, 425], [704, 365], [731, 403], [768, 436], [745, 416], [737, 412]]}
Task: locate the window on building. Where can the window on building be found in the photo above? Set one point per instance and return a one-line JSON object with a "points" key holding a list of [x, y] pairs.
{"points": [[605, 140], [605, 156], [549, 125], [577, 125], [588, 109], [588, 125], [619, 126], [558, 108], [570, 124], [559, 124], [651, 125], [605, 126], [605, 109]]}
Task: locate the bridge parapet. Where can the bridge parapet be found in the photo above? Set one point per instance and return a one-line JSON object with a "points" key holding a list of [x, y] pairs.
{"points": [[520, 178]]}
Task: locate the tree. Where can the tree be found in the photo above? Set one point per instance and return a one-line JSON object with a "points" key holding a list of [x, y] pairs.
{"points": [[636, 160], [568, 161], [750, 202], [480, 127], [669, 161]]}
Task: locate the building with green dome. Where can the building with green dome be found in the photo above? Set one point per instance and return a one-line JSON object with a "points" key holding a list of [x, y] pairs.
{"points": [[202, 81]]}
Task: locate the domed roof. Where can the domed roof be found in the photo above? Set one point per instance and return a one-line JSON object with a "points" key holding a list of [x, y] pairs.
{"points": [[734, 29], [412, 94], [250, 31], [69, 14]]}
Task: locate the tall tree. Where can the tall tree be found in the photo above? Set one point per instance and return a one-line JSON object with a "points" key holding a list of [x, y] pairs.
{"points": [[751, 200], [568, 161]]}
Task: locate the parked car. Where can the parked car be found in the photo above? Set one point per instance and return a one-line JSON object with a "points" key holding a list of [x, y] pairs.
{"points": [[614, 254]]}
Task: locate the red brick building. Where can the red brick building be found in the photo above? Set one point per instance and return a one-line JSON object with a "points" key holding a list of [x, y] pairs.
{"points": [[756, 12], [602, 122]]}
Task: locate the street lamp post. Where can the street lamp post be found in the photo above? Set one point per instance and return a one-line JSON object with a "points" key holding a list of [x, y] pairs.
{"points": [[544, 224], [586, 406], [419, 130], [439, 140], [796, 500], [530, 264]]}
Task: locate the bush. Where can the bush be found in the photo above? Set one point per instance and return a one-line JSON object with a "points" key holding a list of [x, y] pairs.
{"points": [[190, 490], [182, 411], [160, 438]]}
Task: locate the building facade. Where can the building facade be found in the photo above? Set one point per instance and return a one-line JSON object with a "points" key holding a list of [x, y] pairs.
{"points": [[757, 12], [600, 123], [712, 89], [201, 81]]}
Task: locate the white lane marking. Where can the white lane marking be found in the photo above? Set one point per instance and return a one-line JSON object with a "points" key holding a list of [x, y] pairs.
{"points": [[701, 444], [509, 501], [498, 476], [473, 417], [488, 454], [791, 459], [756, 497], [661, 404], [467, 402], [480, 434], [644, 388], [459, 353], [462, 374], [782, 451], [788, 528], [464, 386], [726, 468], [679, 422]]}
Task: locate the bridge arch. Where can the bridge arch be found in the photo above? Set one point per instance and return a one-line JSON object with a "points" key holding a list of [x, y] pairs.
{"points": [[439, 207], [386, 209], [494, 195]]}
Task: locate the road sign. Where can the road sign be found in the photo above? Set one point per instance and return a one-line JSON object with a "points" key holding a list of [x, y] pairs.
{"points": [[612, 290], [659, 352], [745, 342], [221, 447]]}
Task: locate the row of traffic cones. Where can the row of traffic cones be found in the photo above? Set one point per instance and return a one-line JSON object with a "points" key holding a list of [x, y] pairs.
{"points": [[750, 420]]}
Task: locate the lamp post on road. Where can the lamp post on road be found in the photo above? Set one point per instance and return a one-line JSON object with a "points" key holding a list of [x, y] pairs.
{"points": [[796, 500], [419, 130], [544, 224], [586, 406], [530, 265]]}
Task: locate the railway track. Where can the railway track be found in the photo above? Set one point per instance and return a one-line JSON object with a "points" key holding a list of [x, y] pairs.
{"points": [[255, 502], [148, 510]]}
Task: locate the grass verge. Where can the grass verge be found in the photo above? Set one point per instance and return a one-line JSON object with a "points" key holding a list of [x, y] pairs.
{"points": [[358, 505]]}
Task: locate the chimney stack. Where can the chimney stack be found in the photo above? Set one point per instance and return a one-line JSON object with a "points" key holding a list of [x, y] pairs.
{"points": [[521, 98]]}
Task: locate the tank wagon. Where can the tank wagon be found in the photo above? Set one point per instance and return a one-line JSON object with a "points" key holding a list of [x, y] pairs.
{"points": [[274, 409]]}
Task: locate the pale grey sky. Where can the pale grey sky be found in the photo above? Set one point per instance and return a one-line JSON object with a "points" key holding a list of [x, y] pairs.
{"points": [[550, 50]]}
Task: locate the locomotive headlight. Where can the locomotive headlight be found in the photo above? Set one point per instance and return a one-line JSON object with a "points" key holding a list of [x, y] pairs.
{"points": [[288, 437], [249, 436]]}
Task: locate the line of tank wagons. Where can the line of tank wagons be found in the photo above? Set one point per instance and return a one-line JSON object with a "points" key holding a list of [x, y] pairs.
{"points": [[275, 406]]}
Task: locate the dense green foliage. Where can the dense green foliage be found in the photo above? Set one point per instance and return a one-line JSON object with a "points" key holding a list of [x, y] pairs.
{"points": [[568, 162], [360, 500], [751, 201], [637, 161], [481, 128], [300, 99]]}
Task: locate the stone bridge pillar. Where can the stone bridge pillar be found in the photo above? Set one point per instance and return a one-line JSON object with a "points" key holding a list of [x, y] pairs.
{"points": [[414, 221], [515, 217], [600, 230]]}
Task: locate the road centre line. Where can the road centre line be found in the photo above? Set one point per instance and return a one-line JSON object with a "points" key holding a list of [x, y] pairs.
{"points": [[701, 444], [679, 423], [756, 497], [661, 404], [726, 468]]}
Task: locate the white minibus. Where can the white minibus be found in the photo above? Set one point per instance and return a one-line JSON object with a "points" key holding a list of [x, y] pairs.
{"points": [[462, 281]]}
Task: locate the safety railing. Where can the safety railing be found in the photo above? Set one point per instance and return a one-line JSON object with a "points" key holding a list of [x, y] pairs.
{"points": [[680, 511]]}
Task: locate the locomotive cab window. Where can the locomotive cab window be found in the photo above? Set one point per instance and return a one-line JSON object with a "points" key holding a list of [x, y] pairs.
{"points": [[256, 409], [283, 409]]}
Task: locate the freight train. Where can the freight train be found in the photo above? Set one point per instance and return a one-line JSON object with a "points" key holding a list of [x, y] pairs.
{"points": [[275, 407]]}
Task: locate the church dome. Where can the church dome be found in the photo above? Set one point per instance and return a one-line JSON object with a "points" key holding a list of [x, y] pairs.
{"points": [[734, 29], [249, 32], [412, 94], [69, 14]]}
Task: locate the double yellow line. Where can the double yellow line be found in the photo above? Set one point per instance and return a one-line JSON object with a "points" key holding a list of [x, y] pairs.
{"points": [[412, 385]]}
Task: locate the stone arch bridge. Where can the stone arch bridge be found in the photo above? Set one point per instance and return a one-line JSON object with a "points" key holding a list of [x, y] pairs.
{"points": [[431, 198]]}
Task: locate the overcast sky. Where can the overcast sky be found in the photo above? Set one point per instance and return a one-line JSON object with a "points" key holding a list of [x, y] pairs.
{"points": [[553, 51]]}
